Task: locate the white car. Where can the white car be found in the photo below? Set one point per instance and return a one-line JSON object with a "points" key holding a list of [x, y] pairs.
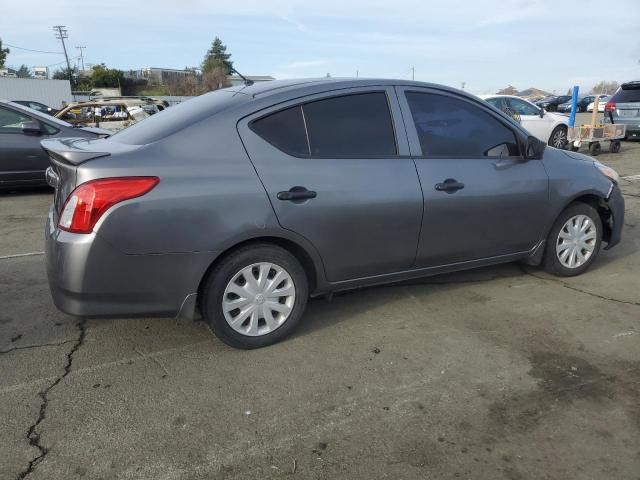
{"points": [[547, 126], [601, 103]]}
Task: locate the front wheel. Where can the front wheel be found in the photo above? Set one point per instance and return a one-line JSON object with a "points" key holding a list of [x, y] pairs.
{"points": [[558, 137], [255, 297], [574, 241]]}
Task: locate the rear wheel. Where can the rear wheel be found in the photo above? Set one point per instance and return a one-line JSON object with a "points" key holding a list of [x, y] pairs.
{"points": [[558, 137], [574, 241], [255, 297]]}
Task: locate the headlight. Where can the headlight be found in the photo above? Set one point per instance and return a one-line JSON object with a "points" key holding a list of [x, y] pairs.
{"points": [[607, 171]]}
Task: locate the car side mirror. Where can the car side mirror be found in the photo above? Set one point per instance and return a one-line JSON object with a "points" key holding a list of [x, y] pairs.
{"points": [[31, 128], [541, 112], [534, 148]]}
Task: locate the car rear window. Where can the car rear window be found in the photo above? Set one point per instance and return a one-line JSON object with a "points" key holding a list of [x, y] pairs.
{"points": [[284, 130], [627, 93], [347, 126], [350, 126], [179, 117]]}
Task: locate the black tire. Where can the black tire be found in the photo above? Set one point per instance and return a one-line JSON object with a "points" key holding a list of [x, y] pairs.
{"points": [[614, 146], [558, 138], [595, 149], [551, 263], [218, 279]]}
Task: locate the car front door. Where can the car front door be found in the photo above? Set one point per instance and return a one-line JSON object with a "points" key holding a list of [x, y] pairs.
{"points": [[337, 169], [481, 199], [22, 159], [539, 126]]}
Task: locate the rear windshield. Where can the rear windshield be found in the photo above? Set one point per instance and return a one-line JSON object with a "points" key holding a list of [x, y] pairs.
{"points": [[176, 118], [627, 93]]}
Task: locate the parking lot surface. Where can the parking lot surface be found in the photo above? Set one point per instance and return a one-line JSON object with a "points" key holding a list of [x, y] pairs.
{"points": [[502, 372]]}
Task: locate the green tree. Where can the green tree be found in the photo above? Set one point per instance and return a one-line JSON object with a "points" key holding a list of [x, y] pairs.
{"points": [[61, 74], [3, 54], [103, 77], [23, 72], [217, 57]]}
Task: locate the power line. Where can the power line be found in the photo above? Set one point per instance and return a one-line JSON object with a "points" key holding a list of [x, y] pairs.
{"points": [[31, 50], [61, 34]]}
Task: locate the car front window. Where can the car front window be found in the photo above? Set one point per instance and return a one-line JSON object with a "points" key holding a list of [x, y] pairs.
{"points": [[41, 116], [11, 121]]}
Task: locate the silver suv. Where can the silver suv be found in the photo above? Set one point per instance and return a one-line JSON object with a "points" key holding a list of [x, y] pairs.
{"points": [[624, 108]]}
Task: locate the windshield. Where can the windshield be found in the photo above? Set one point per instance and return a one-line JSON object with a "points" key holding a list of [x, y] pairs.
{"points": [[41, 116]]}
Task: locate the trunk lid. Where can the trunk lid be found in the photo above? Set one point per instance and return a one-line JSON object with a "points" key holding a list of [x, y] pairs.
{"points": [[65, 154]]}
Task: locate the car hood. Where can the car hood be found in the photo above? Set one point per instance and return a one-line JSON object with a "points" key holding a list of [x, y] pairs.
{"points": [[578, 156]]}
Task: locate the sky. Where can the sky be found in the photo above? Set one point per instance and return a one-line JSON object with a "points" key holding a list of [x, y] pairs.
{"points": [[490, 44]]}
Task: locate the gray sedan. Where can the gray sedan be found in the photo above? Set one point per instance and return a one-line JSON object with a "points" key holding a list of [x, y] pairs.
{"points": [[244, 202]]}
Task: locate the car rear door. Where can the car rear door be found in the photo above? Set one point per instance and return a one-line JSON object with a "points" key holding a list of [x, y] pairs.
{"points": [[481, 199], [22, 159], [337, 170]]}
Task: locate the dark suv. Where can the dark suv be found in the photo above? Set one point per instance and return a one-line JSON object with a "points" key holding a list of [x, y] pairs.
{"points": [[624, 108]]}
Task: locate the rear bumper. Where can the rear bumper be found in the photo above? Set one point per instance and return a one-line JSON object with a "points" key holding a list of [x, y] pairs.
{"points": [[632, 124], [616, 206], [89, 277]]}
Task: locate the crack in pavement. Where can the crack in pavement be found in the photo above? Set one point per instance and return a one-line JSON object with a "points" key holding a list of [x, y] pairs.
{"points": [[32, 435], [576, 289], [26, 347]]}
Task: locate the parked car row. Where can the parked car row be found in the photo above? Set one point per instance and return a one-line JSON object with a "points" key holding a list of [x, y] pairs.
{"points": [[582, 104], [550, 104]]}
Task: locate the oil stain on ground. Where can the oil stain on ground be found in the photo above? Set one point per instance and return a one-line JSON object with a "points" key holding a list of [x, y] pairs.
{"points": [[561, 380]]}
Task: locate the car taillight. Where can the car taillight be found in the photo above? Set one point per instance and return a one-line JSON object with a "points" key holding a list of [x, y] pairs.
{"points": [[89, 201], [610, 106]]}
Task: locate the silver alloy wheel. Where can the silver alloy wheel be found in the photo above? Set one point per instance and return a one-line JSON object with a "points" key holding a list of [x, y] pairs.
{"points": [[559, 138], [258, 299], [576, 241]]}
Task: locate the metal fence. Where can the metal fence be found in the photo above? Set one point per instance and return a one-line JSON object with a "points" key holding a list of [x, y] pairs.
{"points": [[49, 92]]}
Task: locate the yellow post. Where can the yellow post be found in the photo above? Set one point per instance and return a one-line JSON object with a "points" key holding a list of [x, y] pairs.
{"points": [[595, 110]]}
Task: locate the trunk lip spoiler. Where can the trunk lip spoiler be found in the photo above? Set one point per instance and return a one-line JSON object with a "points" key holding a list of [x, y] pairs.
{"points": [[66, 150]]}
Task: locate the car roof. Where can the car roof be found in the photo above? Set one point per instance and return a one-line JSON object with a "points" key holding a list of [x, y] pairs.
{"points": [[263, 89], [499, 95]]}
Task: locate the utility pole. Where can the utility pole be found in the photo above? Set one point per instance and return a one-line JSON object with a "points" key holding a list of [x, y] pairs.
{"points": [[413, 73], [81, 56], [463, 84], [61, 34]]}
